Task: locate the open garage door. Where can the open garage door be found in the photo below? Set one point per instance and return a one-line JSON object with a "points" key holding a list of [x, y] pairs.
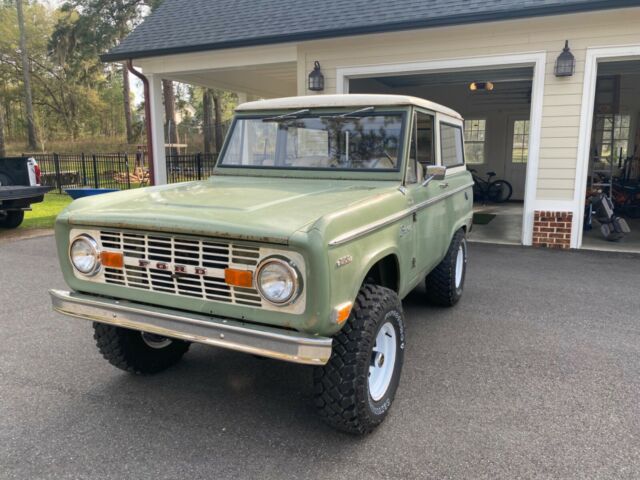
{"points": [[496, 105]]}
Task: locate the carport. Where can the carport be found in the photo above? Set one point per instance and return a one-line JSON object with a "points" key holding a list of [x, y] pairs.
{"points": [[261, 72]]}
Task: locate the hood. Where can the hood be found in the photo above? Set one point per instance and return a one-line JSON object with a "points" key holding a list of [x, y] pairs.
{"points": [[264, 209]]}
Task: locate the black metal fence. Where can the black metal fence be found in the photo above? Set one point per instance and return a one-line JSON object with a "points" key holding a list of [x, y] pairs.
{"points": [[117, 170], [196, 166]]}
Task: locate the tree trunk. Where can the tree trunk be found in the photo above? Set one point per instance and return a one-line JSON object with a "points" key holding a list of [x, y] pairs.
{"points": [[3, 150], [217, 107], [126, 91], [26, 72], [208, 120], [171, 132]]}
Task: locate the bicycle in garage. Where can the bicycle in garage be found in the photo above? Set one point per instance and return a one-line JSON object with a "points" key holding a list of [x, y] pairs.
{"points": [[495, 191]]}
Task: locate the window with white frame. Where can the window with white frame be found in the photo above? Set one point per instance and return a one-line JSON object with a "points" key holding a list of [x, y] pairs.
{"points": [[520, 144], [611, 136], [474, 137]]}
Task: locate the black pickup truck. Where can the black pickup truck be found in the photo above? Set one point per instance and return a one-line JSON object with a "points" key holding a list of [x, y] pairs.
{"points": [[19, 188]]}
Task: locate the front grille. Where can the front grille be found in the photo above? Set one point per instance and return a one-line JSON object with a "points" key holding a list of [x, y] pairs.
{"points": [[202, 263]]}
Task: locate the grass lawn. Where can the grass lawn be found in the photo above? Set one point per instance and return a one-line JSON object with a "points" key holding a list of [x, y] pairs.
{"points": [[44, 214]]}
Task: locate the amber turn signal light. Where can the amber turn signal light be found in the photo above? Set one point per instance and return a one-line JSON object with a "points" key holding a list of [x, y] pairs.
{"points": [[238, 278], [112, 259], [341, 313]]}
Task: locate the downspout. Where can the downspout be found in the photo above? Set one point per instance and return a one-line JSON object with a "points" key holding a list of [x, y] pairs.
{"points": [[147, 118]]}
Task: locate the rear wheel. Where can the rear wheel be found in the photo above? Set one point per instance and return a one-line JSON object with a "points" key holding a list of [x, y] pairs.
{"points": [[137, 352], [355, 389], [445, 283], [499, 191], [12, 219]]}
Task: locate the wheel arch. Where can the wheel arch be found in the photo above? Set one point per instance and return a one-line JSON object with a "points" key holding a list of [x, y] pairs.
{"points": [[384, 270], [465, 224]]}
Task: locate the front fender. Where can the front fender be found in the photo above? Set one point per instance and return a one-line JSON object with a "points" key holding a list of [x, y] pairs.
{"points": [[349, 263]]}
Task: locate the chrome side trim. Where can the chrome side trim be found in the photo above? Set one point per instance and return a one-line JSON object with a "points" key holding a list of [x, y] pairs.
{"points": [[372, 227], [440, 197], [234, 335]]}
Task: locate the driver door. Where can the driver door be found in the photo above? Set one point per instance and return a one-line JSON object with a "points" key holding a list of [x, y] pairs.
{"points": [[429, 221]]}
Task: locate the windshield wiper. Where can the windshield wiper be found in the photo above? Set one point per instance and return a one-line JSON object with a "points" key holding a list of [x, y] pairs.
{"points": [[287, 116], [350, 115]]}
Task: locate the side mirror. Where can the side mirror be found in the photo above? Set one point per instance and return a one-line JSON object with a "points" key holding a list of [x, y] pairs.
{"points": [[433, 172]]}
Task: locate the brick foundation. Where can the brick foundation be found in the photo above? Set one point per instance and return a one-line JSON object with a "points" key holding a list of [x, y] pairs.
{"points": [[552, 229]]}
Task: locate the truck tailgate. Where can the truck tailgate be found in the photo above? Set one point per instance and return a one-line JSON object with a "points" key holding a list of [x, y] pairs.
{"points": [[18, 192]]}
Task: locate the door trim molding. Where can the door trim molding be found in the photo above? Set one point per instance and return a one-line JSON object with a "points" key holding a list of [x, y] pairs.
{"points": [[535, 59]]}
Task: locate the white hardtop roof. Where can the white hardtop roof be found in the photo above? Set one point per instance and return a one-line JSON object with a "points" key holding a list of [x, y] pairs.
{"points": [[345, 100]]}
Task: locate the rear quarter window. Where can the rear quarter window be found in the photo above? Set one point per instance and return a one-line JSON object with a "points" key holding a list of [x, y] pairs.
{"points": [[451, 145]]}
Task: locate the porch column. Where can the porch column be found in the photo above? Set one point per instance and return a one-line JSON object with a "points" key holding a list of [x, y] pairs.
{"points": [[157, 130]]}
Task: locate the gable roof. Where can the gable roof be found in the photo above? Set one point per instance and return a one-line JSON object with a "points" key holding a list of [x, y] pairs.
{"points": [[181, 26]]}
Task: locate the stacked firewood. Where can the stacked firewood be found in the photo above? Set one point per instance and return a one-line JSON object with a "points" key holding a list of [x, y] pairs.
{"points": [[139, 175]]}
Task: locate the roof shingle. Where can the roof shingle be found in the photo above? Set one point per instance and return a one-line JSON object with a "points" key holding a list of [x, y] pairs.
{"points": [[179, 26]]}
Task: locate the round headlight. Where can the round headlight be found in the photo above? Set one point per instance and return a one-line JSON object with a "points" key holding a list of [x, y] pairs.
{"points": [[277, 281], [85, 255]]}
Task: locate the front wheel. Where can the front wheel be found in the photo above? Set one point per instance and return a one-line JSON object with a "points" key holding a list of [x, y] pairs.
{"points": [[499, 191], [12, 219], [137, 352], [355, 389], [445, 283]]}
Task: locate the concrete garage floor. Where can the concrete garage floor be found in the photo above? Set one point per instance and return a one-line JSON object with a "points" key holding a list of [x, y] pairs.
{"points": [[505, 228], [594, 240], [536, 373]]}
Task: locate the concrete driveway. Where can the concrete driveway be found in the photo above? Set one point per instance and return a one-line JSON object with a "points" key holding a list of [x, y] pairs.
{"points": [[536, 373]]}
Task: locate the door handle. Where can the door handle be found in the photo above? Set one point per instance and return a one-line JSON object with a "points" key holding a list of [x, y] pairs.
{"points": [[444, 185]]}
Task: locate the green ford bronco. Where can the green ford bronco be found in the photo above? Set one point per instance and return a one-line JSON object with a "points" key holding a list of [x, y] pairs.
{"points": [[322, 214]]}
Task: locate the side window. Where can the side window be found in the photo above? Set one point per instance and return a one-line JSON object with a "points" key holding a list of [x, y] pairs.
{"points": [[474, 140], [520, 144], [421, 151], [451, 145]]}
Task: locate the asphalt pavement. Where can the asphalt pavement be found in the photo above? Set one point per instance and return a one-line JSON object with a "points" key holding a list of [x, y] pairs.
{"points": [[535, 374]]}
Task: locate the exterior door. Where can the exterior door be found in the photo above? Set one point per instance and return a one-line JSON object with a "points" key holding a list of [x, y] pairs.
{"points": [[517, 155], [429, 220], [458, 197]]}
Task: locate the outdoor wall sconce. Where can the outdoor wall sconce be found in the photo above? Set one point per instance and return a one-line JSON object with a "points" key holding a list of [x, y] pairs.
{"points": [[476, 86], [316, 78], [566, 62]]}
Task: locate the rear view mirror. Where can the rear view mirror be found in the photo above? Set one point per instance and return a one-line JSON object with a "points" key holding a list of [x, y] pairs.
{"points": [[433, 172]]}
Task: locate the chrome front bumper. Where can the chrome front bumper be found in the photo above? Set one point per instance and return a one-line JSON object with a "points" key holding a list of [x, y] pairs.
{"points": [[234, 335]]}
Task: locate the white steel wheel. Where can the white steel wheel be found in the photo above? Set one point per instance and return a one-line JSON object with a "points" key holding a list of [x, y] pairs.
{"points": [[383, 361], [155, 341], [460, 265]]}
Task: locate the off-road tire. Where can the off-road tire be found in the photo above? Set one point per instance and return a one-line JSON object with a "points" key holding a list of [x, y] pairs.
{"points": [[12, 219], [126, 350], [342, 393], [441, 282]]}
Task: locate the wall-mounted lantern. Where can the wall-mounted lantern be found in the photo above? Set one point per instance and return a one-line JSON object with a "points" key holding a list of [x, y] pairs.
{"points": [[316, 78], [566, 62]]}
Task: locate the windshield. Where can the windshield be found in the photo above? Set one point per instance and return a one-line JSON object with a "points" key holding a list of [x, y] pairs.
{"points": [[303, 140]]}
